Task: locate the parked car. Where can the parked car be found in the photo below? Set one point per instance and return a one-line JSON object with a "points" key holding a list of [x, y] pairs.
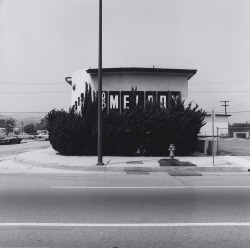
{"points": [[42, 136], [25, 136], [10, 140], [15, 140]]}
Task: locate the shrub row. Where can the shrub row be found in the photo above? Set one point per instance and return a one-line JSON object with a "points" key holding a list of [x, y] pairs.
{"points": [[150, 130]]}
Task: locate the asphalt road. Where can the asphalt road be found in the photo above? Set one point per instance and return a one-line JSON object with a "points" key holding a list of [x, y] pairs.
{"points": [[25, 146], [124, 210]]}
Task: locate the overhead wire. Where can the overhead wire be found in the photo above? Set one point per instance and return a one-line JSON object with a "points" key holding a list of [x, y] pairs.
{"points": [[39, 92]]}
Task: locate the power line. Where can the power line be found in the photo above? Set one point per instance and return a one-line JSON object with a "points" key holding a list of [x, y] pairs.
{"points": [[194, 82], [236, 105], [47, 92], [223, 82], [23, 112], [245, 113], [34, 92], [234, 112], [31, 83], [239, 112], [41, 112], [224, 91]]}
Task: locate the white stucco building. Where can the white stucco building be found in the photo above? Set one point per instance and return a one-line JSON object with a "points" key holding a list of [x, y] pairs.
{"points": [[220, 125], [156, 84]]}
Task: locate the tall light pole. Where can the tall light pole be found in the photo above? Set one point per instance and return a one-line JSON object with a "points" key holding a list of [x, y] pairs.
{"points": [[99, 125]]}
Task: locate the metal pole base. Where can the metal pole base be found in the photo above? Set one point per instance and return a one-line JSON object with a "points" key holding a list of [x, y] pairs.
{"points": [[100, 163]]}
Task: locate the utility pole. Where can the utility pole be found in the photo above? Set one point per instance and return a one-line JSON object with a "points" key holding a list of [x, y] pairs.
{"points": [[22, 125], [225, 105], [213, 117], [99, 124]]}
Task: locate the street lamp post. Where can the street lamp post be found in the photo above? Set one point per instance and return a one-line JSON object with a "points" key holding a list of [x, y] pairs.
{"points": [[99, 126]]}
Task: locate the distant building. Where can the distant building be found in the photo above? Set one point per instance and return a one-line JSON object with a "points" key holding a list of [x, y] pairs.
{"points": [[153, 84], [220, 126], [239, 130], [42, 132]]}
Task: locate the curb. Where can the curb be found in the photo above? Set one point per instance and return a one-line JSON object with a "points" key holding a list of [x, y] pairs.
{"points": [[61, 166], [106, 168]]}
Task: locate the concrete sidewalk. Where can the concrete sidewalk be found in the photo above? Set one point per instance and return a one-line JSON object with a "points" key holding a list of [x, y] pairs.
{"points": [[49, 158]]}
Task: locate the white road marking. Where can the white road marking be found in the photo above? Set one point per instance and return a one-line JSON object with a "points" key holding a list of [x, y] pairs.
{"points": [[166, 187], [213, 224]]}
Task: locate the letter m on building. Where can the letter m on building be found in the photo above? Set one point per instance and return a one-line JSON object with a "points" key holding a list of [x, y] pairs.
{"points": [[114, 101]]}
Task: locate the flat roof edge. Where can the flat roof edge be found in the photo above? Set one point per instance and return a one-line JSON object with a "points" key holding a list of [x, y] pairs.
{"points": [[219, 115], [142, 69]]}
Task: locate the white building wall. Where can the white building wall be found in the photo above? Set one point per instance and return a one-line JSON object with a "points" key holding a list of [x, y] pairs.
{"points": [[125, 81], [143, 82], [220, 122], [79, 80]]}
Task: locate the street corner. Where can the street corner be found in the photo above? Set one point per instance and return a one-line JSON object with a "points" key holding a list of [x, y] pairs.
{"points": [[12, 166]]}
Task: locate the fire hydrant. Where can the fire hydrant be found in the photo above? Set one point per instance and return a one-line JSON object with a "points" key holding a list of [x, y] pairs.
{"points": [[171, 150]]}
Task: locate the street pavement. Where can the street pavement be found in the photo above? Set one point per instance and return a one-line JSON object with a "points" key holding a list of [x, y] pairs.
{"points": [[26, 145], [119, 209], [49, 200], [127, 237]]}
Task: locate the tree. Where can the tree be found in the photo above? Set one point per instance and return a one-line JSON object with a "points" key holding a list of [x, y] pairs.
{"points": [[237, 125], [2, 123], [71, 133], [177, 124], [29, 128], [41, 125], [9, 124]]}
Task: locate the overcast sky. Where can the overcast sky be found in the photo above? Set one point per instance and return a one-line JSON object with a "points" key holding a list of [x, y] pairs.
{"points": [[43, 41]]}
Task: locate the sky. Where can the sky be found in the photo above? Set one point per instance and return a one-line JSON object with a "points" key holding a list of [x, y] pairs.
{"points": [[44, 41]]}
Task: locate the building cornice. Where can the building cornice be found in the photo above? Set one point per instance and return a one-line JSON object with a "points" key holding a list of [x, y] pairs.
{"points": [[219, 115], [188, 72]]}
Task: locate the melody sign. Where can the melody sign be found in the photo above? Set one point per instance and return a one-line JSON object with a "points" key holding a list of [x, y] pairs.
{"points": [[119, 101]]}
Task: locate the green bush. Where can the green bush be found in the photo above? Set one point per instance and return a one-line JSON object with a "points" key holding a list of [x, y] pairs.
{"points": [[152, 129], [71, 133], [122, 133], [178, 125]]}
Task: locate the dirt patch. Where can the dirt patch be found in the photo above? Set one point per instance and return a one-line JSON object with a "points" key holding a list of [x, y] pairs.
{"points": [[174, 162]]}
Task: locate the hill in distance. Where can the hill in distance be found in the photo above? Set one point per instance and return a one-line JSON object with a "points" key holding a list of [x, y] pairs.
{"points": [[26, 118]]}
